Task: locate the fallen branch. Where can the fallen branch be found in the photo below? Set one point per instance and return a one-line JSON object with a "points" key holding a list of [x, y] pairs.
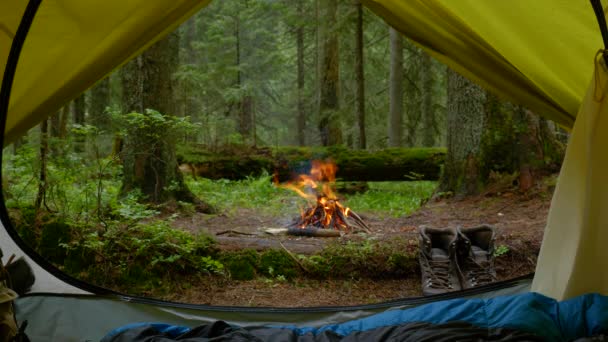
{"points": [[232, 231], [294, 258]]}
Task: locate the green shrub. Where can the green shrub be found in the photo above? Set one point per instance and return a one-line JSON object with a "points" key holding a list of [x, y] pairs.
{"points": [[54, 235]]}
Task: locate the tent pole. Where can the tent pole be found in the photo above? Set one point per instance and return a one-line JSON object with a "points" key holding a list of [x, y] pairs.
{"points": [[601, 20]]}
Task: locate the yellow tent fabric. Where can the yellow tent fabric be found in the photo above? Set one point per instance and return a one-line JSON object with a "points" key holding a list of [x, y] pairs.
{"points": [[574, 257], [535, 53], [538, 53], [532, 52], [74, 43]]}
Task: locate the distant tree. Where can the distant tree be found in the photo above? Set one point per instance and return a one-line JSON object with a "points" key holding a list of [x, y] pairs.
{"points": [[301, 113], [149, 161], [79, 108], [395, 122], [99, 101], [329, 121], [188, 60], [42, 175], [428, 112], [360, 75]]}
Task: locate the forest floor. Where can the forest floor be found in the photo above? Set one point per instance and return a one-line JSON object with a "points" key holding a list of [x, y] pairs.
{"points": [[519, 220]]}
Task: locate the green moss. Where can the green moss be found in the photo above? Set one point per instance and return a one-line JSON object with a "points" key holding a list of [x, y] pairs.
{"points": [[241, 265], [354, 165], [372, 259], [403, 263], [274, 263]]}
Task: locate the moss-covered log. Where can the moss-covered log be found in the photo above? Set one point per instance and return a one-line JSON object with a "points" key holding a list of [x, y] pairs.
{"points": [[393, 164]]}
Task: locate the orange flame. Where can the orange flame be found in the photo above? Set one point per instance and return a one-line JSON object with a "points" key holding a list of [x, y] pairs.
{"points": [[326, 211]]}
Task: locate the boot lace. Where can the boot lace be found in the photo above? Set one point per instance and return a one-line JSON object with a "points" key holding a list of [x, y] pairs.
{"points": [[479, 272], [439, 273]]}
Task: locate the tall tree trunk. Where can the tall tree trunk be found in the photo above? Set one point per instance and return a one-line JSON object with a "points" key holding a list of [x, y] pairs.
{"points": [[132, 86], [172, 55], [63, 125], [189, 38], [100, 100], [395, 123], [78, 111], [55, 121], [189, 107], [149, 161], [301, 116], [44, 147], [329, 122], [530, 151], [17, 144], [54, 132], [428, 112], [246, 104], [465, 120], [360, 76]]}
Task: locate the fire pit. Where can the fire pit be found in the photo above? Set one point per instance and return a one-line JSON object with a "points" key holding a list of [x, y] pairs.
{"points": [[325, 215]]}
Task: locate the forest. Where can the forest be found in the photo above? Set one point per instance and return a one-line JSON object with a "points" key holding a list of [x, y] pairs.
{"points": [[174, 176]]}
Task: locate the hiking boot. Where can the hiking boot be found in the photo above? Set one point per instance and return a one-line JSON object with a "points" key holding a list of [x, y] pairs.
{"points": [[437, 259], [476, 255]]}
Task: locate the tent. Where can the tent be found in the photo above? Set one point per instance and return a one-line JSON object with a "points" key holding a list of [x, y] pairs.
{"points": [[542, 53]]}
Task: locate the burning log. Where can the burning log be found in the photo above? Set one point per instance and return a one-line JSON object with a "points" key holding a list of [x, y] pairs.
{"points": [[326, 211]]}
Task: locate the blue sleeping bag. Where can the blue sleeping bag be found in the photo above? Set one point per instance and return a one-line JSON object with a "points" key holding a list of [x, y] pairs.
{"points": [[529, 316]]}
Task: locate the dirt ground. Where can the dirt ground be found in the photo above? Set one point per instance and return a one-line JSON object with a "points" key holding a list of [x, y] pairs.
{"points": [[518, 218]]}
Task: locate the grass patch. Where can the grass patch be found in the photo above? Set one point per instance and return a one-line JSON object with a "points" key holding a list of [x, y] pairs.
{"points": [[252, 193], [392, 198]]}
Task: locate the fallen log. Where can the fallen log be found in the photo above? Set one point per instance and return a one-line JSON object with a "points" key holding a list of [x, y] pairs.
{"points": [[313, 232], [393, 164]]}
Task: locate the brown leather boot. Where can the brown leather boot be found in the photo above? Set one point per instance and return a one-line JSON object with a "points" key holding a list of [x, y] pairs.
{"points": [[476, 255], [437, 259]]}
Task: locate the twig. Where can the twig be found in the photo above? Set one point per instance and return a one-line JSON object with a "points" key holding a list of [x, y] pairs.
{"points": [[294, 257], [360, 222]]}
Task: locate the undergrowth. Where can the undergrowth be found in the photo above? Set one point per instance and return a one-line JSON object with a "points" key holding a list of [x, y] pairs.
{"points": [[86, 229]]}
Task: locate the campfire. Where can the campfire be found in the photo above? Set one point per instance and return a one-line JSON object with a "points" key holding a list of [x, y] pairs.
{"points": [[325, 210]]}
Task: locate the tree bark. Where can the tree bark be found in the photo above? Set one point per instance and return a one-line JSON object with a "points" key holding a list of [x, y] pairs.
{"points": [[465, 120], [395, 123], [428, 112], [149, 161], [132, 86], [301, 115], [63, 125], [360, 76], [330, 128]]}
